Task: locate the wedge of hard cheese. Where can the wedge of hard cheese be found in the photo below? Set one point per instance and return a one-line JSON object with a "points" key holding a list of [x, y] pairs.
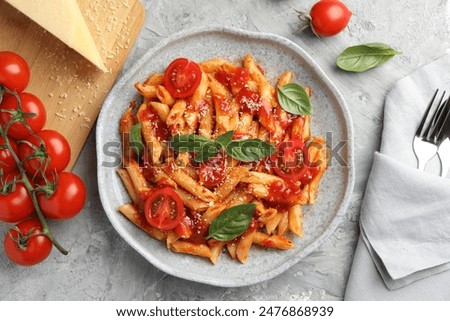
{"points": [[64, 20]]}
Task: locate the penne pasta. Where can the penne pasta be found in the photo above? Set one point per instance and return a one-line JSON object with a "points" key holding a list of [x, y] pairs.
{"points": [[222, 101]]}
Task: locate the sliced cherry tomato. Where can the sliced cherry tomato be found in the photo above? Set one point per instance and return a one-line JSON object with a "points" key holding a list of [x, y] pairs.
{"points": [[67, 199], [182, 77], [15, 202], [292, 164], [164, 209], [329, 17], [249, 101], [56, 146], [7, 162], [212, 172], [25, 244], [14, 71], [30, 105]]}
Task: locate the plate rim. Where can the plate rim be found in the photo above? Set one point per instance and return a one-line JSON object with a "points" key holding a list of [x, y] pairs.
{"points": [[284, 266]]}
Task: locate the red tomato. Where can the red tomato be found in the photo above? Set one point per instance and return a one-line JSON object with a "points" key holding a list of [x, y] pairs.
{"points": [[15, 202], [68, 198], [30, 104], [329, 17], [212, 172], [57, 148], [182, 77], [164, 209], [292, 162], [28, 247], [7, 162], [14, 71]]}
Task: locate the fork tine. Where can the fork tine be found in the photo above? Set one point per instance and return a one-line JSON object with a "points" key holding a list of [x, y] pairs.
{"points": [[437, 121], [444, 128], [425, 115]]}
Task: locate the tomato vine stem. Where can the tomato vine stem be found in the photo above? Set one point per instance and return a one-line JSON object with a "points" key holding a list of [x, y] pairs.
{"points": [[25, 180]]}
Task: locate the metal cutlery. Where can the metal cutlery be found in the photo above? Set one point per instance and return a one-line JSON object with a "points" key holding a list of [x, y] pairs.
{"points": [[426, 140]]}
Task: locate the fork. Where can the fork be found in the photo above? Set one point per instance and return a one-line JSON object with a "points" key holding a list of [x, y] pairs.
{"points": [[425, 142], [444, 136]]}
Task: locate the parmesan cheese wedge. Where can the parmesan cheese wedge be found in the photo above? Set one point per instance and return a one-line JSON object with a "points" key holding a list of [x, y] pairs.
{"points": [[64, 20]]}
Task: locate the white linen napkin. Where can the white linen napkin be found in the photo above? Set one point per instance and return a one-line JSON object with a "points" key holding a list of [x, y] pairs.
{"points": [[403, 252]]}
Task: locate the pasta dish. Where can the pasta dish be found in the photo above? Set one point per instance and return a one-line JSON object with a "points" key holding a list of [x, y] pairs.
{"points": [[217, 159]]}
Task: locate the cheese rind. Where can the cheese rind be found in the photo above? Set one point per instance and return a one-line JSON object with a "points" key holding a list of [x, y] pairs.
{"points": [[64, 20]]}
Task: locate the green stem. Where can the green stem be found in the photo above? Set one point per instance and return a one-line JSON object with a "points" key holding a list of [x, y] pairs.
{"points": [[29, 187]]}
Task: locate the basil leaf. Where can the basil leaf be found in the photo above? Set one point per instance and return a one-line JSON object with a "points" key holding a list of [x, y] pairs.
{"points": [[136, 138], [364, 57], [226, 138], [294, 99], [232, 223], [249, 150], [188, 143], [207, 151]]}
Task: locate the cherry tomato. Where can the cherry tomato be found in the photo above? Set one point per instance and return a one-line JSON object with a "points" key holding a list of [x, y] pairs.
{"points": [[68, 198], [292, 162], [14, 71], [27, 247], [182, 77], [212, 172], [7, 162], [57, 148], [164, 209], [30, 104], [15, 202], [329, 17]]}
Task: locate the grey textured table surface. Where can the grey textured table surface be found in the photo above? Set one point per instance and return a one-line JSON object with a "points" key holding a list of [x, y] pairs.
{"points": [[101, 266]]}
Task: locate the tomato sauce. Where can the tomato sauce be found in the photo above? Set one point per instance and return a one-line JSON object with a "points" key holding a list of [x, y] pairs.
{"points": [[199, 229], [282, 193], [159, 128]]}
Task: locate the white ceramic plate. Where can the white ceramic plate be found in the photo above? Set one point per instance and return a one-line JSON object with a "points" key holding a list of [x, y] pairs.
{"points": [[331, 117]]}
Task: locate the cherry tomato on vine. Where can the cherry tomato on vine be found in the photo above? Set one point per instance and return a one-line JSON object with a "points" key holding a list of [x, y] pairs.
{"points": [[30, 105], [56, 147], [24, 245], [67, 199], [329, 17], [182, 77], [15, 202], [7, 162], [14, 71], [212, 172], [164, 209]]}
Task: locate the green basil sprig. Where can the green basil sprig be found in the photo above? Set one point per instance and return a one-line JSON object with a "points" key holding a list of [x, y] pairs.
{"points": [[246, 150], [294, 99], [364, 57], [232, 223]]}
